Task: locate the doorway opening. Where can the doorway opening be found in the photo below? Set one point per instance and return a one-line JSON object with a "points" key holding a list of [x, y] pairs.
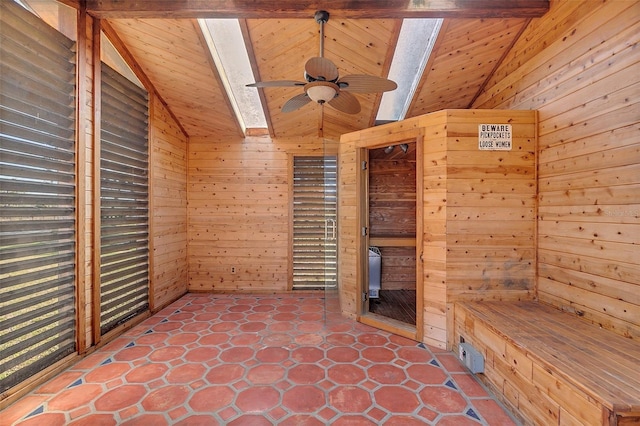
{"points": [[390, 293]]}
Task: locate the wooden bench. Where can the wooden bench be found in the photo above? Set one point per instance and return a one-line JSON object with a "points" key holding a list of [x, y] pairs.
{"points": [[551, 367]]}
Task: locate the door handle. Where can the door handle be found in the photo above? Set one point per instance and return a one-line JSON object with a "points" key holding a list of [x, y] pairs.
{"points": [[330, 223], [326, 229]]}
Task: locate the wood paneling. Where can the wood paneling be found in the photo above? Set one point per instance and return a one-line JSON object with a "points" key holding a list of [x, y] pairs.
{"points": [[480, 216], [351, 248], [238, 231], [398, 268], [168, 189], [486, 220], [585, 84], [392, 196]]}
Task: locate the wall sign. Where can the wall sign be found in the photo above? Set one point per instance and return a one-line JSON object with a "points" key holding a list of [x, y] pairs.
{"points": [[494, 137]]}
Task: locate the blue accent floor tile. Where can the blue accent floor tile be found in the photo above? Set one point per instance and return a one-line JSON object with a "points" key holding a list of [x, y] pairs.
{"points": [[106, 361], [451, 385], [149, 331], [37, 411], [130, 345], [434, 362], [472, 414], [76, 383]]}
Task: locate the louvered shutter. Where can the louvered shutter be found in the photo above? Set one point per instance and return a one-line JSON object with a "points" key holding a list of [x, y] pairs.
{"points": [[37, 195], [124, 200], [314, 222]]}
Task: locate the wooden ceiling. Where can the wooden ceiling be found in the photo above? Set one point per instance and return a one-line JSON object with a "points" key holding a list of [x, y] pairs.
{"points": [[165, 40]]}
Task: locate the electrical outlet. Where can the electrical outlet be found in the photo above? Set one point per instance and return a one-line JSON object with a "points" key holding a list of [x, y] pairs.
{"points": [[233, 270]]}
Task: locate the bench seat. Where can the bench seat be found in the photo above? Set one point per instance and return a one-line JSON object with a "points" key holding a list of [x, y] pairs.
{"points": [[552, 367]]}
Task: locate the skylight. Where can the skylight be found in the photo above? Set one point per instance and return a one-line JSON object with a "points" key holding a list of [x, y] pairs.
{"points": [[110, 56], [415, 43], [225, 41]]}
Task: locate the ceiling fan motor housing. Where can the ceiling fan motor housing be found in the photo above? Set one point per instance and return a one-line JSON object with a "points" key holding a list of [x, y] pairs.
{"points": [[321, 16]]}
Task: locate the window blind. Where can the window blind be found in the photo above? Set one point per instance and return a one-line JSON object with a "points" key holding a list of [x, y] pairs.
{"points": [[124, 213], [37, 195], [315, 183]]}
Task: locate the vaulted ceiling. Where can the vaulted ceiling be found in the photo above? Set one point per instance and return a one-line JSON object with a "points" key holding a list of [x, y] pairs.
{"points": [[166, 42]]}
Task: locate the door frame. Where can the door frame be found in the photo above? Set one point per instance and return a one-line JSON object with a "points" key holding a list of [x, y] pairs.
{"points": [[362, 218]]}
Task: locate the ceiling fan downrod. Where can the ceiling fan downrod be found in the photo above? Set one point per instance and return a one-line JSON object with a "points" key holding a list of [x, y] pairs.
{"points": [[321, 17]]}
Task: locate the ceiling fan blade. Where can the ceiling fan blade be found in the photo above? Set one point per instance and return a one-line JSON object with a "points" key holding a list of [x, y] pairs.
{"points": [[296, 102], [276, 83], [345, 102], [322, 69], [361, 83]]}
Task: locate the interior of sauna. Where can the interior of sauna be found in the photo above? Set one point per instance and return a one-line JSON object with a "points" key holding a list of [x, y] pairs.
{"points": [[392, 231]]}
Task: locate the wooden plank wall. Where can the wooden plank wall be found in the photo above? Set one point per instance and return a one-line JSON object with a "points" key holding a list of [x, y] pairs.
{"points": [[398, 268], [392, 214], [434, 227], [479, 215], [490, 209], [578, 66], [168, 189], [350, 248], [392, 196], [238, 231]]}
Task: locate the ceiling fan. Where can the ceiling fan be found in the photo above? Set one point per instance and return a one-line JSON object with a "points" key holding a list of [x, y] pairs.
{"points": [[323, 84]]}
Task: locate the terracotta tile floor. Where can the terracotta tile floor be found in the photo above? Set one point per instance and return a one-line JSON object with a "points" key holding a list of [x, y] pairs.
{"points": [[259, 360]]}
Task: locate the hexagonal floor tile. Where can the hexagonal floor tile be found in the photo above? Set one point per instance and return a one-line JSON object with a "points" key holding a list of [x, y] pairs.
{"points": [[288, 359]]}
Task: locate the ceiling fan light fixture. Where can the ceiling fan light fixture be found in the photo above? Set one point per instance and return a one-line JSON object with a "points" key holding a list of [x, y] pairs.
{"points": [[322, 92]]}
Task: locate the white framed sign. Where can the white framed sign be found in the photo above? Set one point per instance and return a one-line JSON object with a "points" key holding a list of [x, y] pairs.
{"points": [[494, 137]]}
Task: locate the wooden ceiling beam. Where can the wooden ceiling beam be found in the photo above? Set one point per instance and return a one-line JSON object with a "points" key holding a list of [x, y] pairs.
{"points": [[342, 9]]}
